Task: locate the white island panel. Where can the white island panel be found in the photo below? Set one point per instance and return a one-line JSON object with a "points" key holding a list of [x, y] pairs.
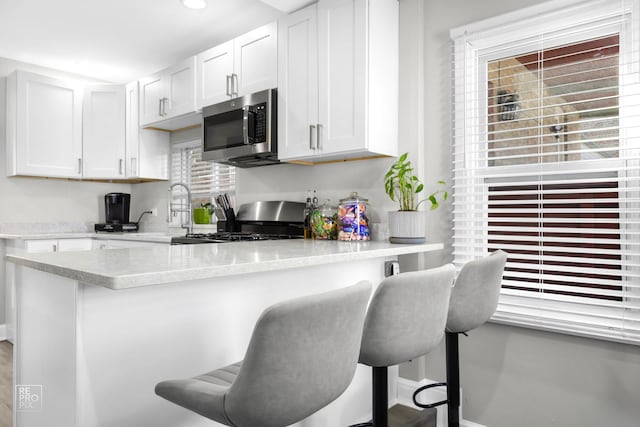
{"points": [[121, 343], [161, 313]]}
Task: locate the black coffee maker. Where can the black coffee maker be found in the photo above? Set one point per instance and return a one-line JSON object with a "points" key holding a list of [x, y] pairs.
{"points": [[116, 213]]}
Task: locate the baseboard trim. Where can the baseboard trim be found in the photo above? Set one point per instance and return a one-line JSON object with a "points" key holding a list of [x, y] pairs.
{"points": [[405, 389], [3, 332]]}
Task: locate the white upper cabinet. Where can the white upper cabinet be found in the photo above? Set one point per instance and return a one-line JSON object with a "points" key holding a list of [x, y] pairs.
{"points": [[256, 60], [356, 43], [147, 150], [298, 84], [167, 99], [238, 67], [65, 130], [214, 70], [103, 132], [44, 126]]}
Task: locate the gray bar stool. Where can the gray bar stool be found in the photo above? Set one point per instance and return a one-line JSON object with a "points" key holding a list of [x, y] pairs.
{"points": [[302, 355], [473, 301], [405, 320]]}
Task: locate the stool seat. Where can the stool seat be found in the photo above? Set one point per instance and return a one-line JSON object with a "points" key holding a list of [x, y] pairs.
{"points": [[203, 394], [302, 356]]}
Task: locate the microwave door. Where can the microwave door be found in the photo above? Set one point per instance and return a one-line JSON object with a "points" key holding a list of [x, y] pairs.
{"points": [[248, 125], [224, 130]]}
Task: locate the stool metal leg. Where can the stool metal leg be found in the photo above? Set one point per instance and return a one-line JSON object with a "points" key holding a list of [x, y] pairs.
{"points": [[453, 379], [380, 397]]}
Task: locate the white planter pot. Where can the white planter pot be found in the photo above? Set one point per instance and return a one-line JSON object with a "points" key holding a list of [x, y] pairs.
{"points": [[407, 226]]}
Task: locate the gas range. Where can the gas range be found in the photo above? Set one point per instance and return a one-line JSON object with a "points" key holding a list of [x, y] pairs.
{"points": [[228, 236], [273, 220]]}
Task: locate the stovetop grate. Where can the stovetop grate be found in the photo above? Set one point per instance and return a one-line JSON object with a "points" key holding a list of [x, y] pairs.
{"points": [[236, 236]]}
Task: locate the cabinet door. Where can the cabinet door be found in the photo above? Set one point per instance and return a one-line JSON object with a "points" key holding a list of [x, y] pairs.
{"points": [[214, 68], [147, 150], [104, 131], [256, 60], [180, 90], [342, 75], [67, 245], [151, 94], [132, 129], [153, 161], [47, 137], [37, 246], [298, 84]]}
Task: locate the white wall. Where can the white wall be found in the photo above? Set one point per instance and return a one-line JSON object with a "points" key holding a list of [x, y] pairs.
{"points": [[513, 376]]}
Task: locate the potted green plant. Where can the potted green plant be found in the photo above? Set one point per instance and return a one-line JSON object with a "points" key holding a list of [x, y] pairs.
{"points": [[202, 215], [408, 224]]}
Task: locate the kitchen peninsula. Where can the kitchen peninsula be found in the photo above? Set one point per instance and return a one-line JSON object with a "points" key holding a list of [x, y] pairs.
{"points": [[98, 329]]}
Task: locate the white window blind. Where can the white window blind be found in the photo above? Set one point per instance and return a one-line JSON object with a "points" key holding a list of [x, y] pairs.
{"points": [[546, 141], [204, 179]]}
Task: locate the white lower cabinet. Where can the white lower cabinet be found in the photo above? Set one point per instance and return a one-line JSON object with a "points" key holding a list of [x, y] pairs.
{"points": [[116, 244], [338, 81], [14, 247]]}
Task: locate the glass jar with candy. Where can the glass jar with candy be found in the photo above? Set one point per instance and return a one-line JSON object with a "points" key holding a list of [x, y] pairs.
{"points": [[353, 223]]}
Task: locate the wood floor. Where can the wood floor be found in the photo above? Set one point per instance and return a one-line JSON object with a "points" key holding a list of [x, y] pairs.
{"points": [[6, 383]]}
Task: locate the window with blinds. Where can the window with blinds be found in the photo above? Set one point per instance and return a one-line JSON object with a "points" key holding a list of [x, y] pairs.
{"points": [[204, 179], [547, 163]]}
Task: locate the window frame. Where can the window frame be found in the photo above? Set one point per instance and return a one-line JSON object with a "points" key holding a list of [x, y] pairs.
{"points": [[474, 46]]}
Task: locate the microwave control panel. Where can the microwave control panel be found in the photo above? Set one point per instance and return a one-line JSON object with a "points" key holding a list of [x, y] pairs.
{"points": [[261, 122]]}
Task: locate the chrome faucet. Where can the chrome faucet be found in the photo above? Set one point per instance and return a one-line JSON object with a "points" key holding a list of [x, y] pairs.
{"points": [[172, 210]]}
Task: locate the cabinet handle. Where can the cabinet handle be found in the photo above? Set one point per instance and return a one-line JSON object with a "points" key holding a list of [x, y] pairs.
{"points": [[234, 84], [312, 128], [79, 166], [120, 166], [228, 85], [160, 107], [318, 136], [55, 248], [134, 166]]}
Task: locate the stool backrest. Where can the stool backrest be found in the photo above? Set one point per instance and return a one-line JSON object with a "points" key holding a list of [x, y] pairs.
{"points": [[302, 355], [407, 316], [475, 294]]}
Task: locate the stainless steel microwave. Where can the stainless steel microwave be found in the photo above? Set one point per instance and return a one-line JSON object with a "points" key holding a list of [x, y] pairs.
{"points": [[242, 131]]}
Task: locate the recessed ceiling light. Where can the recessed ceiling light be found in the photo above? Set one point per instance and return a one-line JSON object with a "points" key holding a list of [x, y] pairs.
{"points": [[194, 4]]}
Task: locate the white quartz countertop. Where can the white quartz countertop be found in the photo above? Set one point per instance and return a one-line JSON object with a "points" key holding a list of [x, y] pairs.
{"points": [[136, 237], [161, 264]]}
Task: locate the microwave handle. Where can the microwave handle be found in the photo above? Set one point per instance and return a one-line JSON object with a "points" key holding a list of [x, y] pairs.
{"points": [[245, 124], [248, 125]]}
